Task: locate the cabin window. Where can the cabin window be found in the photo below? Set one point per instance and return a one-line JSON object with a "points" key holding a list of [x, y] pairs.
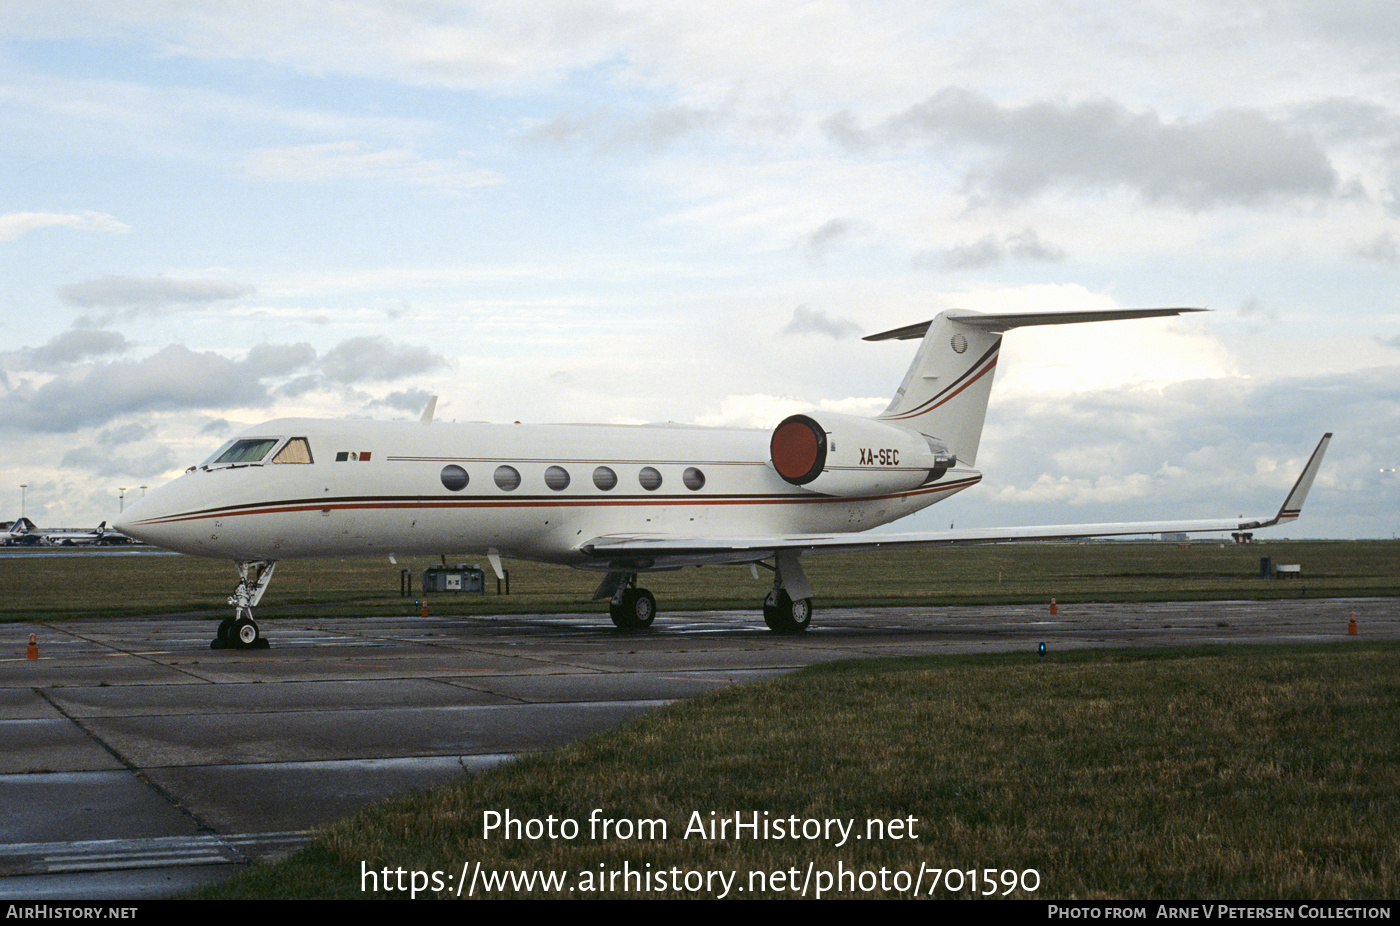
{"points": [[649, 478], [694, 479], [557, 478], [249, 450], [454, 477], [297, 450], [507, 478], [604, 478]]}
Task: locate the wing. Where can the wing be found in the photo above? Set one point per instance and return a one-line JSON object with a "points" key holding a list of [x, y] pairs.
{"points": [[656, 551]]}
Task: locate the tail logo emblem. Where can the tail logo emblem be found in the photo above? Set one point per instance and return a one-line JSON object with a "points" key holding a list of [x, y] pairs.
{"points": [[958, 343]]}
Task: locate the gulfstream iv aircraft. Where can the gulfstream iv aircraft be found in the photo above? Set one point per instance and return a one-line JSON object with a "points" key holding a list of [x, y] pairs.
{"points": [[621, 500]]}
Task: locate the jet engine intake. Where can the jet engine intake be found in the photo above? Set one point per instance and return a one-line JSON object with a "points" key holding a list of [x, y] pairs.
{"points": [[844, 455]]}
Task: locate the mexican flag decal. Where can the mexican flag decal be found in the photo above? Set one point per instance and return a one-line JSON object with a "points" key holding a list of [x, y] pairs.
{"points": [[352, 456]]}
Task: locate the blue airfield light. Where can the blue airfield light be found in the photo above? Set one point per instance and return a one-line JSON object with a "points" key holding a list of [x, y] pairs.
{"points": [[1042, 652]]}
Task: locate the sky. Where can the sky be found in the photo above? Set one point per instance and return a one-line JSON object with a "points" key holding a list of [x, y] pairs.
{"points": [[214, 214]]}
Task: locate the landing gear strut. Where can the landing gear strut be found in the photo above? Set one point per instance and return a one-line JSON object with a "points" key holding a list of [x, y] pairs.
{"points": [[241, 631], [787, 609]]}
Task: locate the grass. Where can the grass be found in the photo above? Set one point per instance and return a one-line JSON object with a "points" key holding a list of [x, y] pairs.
{"points": [[52, 587], [1234, 773]]}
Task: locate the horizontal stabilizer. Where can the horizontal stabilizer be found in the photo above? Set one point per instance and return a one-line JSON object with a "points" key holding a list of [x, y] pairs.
{"points": [[1007, 321]]}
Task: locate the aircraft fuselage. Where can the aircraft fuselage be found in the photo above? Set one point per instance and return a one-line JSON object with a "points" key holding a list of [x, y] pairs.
{"points": [[531, 491]]}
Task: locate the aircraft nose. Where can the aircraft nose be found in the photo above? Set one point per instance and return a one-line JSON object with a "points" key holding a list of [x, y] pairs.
{"points": [[130, 520], [123, 521]]}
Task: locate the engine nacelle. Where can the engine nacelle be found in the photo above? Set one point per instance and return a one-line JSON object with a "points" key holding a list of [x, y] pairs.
{"points": [[837, 454]]}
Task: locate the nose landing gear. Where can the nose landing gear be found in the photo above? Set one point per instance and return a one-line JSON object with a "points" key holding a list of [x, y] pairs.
{"points": [[241, 631]]}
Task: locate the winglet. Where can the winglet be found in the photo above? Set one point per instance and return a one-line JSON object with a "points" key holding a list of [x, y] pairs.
{"points": [[428, 410], [1293, 505]]}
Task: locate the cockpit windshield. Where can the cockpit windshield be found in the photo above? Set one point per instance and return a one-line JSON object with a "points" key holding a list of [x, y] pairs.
{"points": [[250, 450]]}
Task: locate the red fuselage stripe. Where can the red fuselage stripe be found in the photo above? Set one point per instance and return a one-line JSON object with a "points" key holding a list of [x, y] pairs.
{"points": [[388, 504]]}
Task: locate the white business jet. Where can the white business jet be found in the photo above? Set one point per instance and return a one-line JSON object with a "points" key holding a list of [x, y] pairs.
{"points": [[621, 500]]}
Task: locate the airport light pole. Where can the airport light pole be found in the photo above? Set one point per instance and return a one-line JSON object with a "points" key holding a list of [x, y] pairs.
{"points": [[121, 499], [22, 487]]}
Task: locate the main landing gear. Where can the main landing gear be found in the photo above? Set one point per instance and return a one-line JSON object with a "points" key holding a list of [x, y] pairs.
{"points": [[787, 609], [241, 631], [784, 614], [631, 608]]}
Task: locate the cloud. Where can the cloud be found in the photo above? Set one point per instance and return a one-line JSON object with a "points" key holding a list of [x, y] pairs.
{"points": [[1231, 156], [125, 434], [815, 321], [78, 344], [14, 224], [993, 250], [353, 160], [103, 462], [1255, 310], [1382, 249], [175, 378], [817, 243], [412, 401], [152, 293], [279, 359], [370, 359]]}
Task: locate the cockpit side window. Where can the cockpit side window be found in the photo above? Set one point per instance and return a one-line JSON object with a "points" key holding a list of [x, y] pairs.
{"points": [[250, 450], [297, 450]]}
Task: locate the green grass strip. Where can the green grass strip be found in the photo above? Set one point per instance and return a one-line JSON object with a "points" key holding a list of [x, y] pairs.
{"points": [[1213, 772]]}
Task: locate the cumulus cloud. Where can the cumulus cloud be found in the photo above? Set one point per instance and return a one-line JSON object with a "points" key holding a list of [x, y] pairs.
{"points": [[103, 462], [1230, 156], [815, 321], [78, 344], [150, 293], [171, 379], [279, 359], [994, 250], [370, 359], [412, 401], [14, 224], [124, 434]]}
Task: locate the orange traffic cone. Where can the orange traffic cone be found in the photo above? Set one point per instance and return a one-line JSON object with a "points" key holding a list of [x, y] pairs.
{"points": [[34, 647], [1054, 609], [1351, 624]]}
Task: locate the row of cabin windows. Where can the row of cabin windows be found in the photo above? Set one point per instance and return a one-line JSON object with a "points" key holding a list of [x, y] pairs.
{"points": [[558, 479], [454, 477]]}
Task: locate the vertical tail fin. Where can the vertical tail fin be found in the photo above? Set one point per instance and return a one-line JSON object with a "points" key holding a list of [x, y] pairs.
{"points": [[945, 391]]}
